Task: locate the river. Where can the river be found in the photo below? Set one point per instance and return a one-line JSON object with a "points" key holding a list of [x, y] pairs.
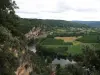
{"points": [[62, 62]]}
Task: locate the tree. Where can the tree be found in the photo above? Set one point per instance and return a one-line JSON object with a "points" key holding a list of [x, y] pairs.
{"points": [[9, 37], [8, 19]]}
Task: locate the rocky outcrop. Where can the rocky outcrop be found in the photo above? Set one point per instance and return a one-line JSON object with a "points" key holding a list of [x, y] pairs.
{"points": [[24, 69], [35, 33]]}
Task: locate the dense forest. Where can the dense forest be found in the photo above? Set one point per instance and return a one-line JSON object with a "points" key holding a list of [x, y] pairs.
{"points": [[12, 42], [27, 24]]}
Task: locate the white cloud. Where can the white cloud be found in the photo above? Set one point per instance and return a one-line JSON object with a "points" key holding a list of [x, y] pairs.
{"points": [[59, 9]]}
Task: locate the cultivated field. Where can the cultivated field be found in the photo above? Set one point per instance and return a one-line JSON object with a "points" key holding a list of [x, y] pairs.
{"points": [[62, 45], [67, 39], [75, 49]]}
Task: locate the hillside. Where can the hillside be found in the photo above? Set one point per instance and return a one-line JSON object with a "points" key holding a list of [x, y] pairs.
{"points": [[90, 23], [27, 24]]}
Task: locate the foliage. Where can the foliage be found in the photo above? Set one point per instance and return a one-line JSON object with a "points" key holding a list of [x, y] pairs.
{"points": [[47, 25], [52, 51], [65, 34], [10, 38], [91, 58], [39, 64], [8, 62], [89, 39]]}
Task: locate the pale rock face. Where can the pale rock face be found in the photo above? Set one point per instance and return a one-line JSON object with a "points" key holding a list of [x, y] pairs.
{"points": [[35, 33], [24, 69]]}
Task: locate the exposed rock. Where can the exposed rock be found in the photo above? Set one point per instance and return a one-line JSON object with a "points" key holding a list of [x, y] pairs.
{"points": [[24, 69], [35, 33]]}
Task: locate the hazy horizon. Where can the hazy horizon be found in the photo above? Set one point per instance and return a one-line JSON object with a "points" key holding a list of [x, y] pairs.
{"points": [[60, 19], [80, 10]]}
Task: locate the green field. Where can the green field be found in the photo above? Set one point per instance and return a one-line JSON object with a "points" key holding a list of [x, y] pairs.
{"points": [[75, 49], [89, 39], [52, 41], [61, 47], [54, 46]]}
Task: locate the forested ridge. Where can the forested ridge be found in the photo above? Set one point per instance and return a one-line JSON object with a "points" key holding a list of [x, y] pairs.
{"points": [[90, 23], [27, 24]]}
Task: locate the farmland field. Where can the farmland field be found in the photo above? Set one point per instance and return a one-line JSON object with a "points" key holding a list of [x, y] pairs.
{"points": [[70, 45], [89, 39], [52, 41], [58, 45], [72, 49], [54, 46], [75, 49], [67, 39]]}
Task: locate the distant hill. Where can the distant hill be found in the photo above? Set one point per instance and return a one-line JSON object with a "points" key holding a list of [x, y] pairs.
{"points": [[90, 23], [27, 24]]}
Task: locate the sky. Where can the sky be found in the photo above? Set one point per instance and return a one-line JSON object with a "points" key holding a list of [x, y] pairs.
{"points": [[84, 10]]}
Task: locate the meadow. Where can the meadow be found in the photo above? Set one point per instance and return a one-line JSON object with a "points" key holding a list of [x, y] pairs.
{"points": [[71, 45], [67, 39], [89, 39], [75, 49], [58, 44]]}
